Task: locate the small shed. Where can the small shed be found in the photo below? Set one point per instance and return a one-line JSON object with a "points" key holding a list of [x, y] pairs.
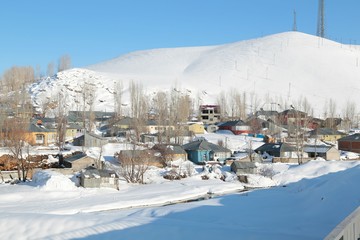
{"points": [[91, 177], [241, 168], [324, 151], [282, 150], [78, 162]]}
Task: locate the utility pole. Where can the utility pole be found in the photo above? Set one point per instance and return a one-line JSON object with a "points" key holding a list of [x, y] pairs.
{"points": [[321, 19]]}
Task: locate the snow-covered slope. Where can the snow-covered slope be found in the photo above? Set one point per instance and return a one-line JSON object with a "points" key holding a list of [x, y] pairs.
{"points": [[282, 67]]}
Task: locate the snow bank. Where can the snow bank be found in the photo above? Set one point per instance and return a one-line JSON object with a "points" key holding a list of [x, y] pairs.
{"points": [[312, 169], [50, 181]]}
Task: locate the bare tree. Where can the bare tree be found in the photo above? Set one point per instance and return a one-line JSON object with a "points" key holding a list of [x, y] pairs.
{"points": [[237, 104], [38, 74], [160, 104], [134, 165], [302, 120], [61, 121], [15, 139], [50, 71], [349, 113], [64, 63], [118, 87], [222, 102], [16, 77], [88, 95], [139, 101], [15, 131]]}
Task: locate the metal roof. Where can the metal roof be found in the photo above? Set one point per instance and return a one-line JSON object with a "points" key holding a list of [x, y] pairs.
{"points": [[202, 144]]}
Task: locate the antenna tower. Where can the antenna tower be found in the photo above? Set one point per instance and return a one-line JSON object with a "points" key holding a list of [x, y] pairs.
{"points": [[321, 19], [294, 24]]}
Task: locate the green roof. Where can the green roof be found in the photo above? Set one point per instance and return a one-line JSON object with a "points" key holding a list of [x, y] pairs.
{"points": [[354, 138], [202, 144], [325, 131]]}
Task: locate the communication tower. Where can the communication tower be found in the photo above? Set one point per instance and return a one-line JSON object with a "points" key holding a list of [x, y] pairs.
{"points": [[321, 19]]}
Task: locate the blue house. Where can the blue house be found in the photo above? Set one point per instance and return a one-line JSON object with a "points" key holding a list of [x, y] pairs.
{"points": [[200, 151]]}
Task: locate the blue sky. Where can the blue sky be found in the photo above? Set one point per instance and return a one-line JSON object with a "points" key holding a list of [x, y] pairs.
{"points": [[90, 31]]}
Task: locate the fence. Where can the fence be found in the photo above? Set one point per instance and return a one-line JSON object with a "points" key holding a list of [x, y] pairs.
{"points": [[348, 229]]}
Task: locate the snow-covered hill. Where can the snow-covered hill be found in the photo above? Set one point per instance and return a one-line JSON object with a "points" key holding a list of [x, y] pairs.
{"points": [[278, 68]]}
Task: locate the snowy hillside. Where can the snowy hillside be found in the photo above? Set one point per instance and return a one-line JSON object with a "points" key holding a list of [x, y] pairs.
{"points": [[283, 66]]}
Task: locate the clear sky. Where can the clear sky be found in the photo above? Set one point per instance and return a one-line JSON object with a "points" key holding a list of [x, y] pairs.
{"points": [[38, 32]]}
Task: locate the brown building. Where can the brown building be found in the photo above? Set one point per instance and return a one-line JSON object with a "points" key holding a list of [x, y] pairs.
{"points": [[350, 143]]}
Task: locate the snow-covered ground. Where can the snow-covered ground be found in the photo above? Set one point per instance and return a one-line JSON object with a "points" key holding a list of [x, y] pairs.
{"points": [[296, 202]]}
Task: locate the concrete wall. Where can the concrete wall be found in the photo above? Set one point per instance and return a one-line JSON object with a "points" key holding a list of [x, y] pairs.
{"points": [[290, 160], [82, 163], [92, 140], [348, 229]]}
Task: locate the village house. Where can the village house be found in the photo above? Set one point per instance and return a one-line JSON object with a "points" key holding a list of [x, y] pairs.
{"points": [[38, 134], [277, 150], [171, 152], [350, 143], [196, 128], [201, 151], [326, 134], [325, 151], [210, 114], [292, 117], [153, 127], [118, 127], [241, 168], [237, 127], [77, 162]]}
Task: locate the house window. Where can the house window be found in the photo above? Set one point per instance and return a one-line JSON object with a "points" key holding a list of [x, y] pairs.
{"points": [[40, 139]]}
